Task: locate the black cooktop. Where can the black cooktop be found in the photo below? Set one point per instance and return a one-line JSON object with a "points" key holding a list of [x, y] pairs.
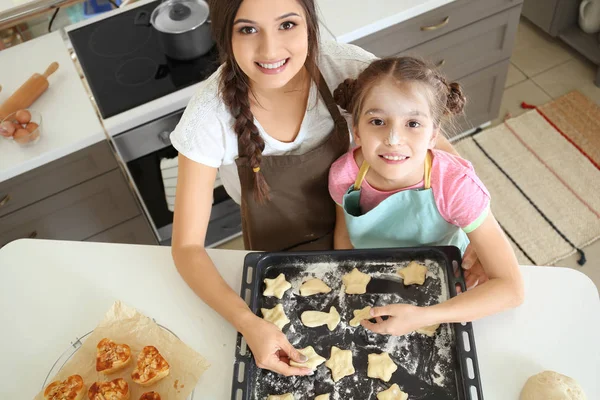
{"points": [[124, 65]]}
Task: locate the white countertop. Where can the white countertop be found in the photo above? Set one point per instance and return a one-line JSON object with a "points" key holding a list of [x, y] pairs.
{"points": [[69, 121], [556, 328], [361, 18]]}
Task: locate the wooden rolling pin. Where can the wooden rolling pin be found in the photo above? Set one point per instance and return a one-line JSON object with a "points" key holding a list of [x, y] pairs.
{"points": [[24, 96]]}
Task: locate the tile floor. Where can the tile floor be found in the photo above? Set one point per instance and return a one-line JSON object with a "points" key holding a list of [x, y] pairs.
{"points": [[542, 68]]}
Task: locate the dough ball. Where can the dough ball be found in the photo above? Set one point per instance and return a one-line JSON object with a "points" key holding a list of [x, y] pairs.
{"points": [[550, 385]]}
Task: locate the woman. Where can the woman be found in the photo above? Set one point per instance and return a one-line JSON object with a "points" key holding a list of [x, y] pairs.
{"points": [[267, 120]]}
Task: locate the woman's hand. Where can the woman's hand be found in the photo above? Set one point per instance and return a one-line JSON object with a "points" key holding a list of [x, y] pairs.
{"points": [[474, 272], [271, 349], [402, 319]]}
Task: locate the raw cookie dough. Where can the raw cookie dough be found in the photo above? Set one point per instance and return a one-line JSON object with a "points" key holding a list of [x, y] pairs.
{"points": [[428, 330], [287, 396], [276, 315], [359, 315], [313, 319], [340, 363], [314, 286], [381, 367], [276, 287], [356, 282], [550, 385], [393, 393], [322, 397], [414, 273], [314, 360]]}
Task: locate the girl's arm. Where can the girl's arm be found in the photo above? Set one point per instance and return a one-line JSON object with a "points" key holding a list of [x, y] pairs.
{"points": [[502, 291], [341, 239], [193, 202]]}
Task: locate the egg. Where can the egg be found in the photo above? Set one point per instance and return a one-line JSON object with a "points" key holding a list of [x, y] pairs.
{"points": [[23, 116], [32, 126], [22, 135], [7, 129]]}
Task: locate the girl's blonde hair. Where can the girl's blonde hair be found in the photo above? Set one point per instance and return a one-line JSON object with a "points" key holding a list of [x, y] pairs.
{"points": [[445, 99]]}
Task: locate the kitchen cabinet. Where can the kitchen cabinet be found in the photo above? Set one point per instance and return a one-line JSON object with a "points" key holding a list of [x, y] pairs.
{"points": [[82, 196], [559, 18], [469, 40]]}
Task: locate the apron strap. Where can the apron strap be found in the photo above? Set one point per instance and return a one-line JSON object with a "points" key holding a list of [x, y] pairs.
{"points": [[364, 168]]}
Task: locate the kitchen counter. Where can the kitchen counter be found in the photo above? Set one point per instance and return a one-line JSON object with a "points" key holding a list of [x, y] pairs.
{"points": [[361, 18], [69, 121], [53, 292]]}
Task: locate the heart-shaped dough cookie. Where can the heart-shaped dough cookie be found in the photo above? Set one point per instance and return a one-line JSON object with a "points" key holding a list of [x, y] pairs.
{"points": [[151, 367], [111, 357], [71, 388], [150, 396], [117, 389]]}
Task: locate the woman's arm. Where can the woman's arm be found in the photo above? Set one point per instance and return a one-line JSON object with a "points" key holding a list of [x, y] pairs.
{"points": [[341, 239], [502, 291], [443, 144], [193, 202]]}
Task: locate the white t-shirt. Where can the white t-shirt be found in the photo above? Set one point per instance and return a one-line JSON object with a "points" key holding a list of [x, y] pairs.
{"points": [[205, 133]]}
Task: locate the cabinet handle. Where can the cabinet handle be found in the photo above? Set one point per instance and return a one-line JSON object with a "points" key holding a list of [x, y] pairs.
{"points": [[5, 200], [438, 26], [441, 63], [32, 235]]}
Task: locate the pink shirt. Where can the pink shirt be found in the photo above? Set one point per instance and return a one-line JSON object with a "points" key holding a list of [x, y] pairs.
{"points": [[460, 196]]}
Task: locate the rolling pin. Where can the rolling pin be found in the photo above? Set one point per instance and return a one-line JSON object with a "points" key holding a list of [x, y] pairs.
{"points": [[24, 96]]}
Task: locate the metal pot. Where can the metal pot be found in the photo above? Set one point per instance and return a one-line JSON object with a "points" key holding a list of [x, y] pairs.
{"points": [[183, 27]]}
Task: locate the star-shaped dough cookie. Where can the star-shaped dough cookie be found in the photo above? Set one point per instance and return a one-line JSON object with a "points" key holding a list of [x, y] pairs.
{"points": [[393, 393], [428, 330], [340, 363], [414, 273], [275, 315], [314, 286], [276, 287], [314, 360], [287, 396], [359, 315], [356, 282], [312, 319], [381, 367]]}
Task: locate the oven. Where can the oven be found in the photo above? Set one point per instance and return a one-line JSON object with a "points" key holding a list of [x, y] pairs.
{"points": [[142, 149]]}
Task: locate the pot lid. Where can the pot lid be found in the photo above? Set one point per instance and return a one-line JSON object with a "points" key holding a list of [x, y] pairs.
{"points": [[179, 16]]}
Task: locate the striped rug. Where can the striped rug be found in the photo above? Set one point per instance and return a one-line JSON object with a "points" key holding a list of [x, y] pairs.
{"points": [[545, 185]]}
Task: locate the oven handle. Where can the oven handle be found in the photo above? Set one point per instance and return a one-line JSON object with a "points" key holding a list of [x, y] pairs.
{"points": [[164, 137]]}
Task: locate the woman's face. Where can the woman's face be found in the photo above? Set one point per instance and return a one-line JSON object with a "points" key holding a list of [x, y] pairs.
{"points": [[270, 41], [395, 130]]}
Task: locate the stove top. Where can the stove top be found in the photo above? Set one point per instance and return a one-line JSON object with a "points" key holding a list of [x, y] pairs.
{"points": [[124, 65]]}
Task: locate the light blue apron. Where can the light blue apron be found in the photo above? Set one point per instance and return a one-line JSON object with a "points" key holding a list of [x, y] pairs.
{"points": [[409, 218]]}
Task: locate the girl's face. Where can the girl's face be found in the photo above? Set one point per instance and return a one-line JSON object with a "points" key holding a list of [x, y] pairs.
{"points": [[395, 129], [270, 41]]}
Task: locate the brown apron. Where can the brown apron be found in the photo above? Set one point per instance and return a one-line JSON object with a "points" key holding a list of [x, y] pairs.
{"points": [[301, 213]]}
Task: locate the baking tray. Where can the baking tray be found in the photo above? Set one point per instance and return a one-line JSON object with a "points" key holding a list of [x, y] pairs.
{"points": [[443, 367]]}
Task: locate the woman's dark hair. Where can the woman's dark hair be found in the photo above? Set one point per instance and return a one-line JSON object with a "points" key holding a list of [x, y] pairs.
{"points": [[235, 84], [445, 98]]}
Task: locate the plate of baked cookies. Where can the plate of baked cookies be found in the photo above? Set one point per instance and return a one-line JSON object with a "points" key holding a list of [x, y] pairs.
{"points": [[127, 356]]}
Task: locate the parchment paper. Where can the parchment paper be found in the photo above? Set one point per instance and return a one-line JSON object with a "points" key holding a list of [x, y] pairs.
{"points": [[123, 324]]}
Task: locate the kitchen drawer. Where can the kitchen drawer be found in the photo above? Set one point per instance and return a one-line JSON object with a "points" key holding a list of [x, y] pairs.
{"points": [[56, 176], [476, 46], [134, 231], [74, 214], [484, 91], [430, 25]]}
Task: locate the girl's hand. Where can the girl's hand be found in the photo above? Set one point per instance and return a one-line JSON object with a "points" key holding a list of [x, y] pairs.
{"points": [[271, 349], [402, 319], [474, 272]]}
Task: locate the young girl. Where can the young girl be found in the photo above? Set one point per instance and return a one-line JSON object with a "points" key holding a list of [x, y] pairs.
{"points": [[395, 190]]}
